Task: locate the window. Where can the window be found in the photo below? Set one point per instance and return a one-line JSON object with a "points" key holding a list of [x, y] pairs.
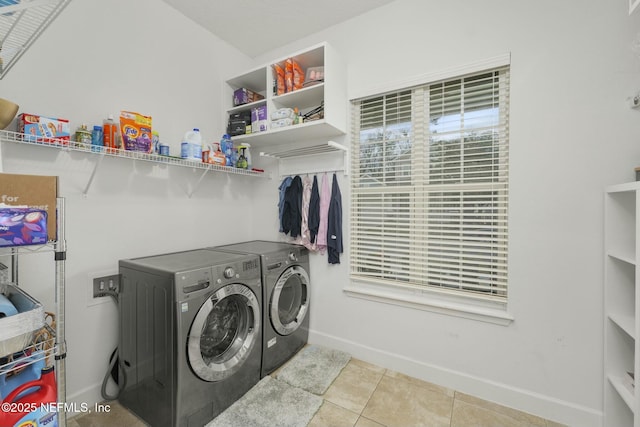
{"points": [[429, 193]]}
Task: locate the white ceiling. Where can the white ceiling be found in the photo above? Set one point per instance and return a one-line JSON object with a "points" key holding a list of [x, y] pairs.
{"points": [[257, 26]]}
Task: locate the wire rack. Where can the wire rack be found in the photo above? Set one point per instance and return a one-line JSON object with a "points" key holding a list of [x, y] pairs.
{"points": [[21, 23], [67, 145], [43, 347]]}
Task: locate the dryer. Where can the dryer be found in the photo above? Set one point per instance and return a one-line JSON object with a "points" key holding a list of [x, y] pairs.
{"points": [[190, 339], [285, 298]]}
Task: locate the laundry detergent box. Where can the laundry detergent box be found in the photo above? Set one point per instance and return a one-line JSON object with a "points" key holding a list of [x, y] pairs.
{"points": [[38, 192], [44, 129], [22, 226], [136, 132]]}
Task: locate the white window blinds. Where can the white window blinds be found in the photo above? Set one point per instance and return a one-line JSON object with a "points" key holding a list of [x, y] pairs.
{"points": [[430, 186]]}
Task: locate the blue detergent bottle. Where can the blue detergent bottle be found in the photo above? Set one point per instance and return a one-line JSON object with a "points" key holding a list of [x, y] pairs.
{"points": [[31, 372], [226, 146]]}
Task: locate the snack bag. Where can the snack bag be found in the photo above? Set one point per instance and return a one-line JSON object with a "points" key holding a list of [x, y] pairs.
{"points": [[298, 76], [136, 131], [288, 75], [279, 72]]}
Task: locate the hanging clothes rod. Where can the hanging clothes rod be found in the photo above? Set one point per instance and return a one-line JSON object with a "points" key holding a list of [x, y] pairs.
{"points": [[329, 147]]}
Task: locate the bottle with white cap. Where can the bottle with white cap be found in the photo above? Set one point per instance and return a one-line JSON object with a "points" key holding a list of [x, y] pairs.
{"points": [[191, 147]]}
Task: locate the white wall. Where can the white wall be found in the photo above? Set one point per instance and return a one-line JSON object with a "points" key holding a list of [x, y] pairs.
{"points": [[571, 135]]}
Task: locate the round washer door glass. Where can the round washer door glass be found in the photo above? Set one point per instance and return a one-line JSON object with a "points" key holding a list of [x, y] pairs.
{"points": [[223, 332], [290, 300]]}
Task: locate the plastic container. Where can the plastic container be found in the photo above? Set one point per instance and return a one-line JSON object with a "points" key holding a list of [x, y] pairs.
{"points": [[226, 146], [191, 147], [109, 130], [245, 154], [97, 138], [83, 136], [20, 375], [155, 138], [44, 399]]}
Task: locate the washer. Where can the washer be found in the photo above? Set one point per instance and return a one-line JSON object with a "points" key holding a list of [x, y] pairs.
{"points": [[190, 339], [285, 298]]}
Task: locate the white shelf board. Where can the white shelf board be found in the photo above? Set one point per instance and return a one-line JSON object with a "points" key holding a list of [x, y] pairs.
{"points": [[624, 322], [623, 391], [627, 258], [317, 129]]}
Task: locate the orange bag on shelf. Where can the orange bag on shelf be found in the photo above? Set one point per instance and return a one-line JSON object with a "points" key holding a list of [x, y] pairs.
{"points": [[298, 76], [288, 75], [279, 74]]}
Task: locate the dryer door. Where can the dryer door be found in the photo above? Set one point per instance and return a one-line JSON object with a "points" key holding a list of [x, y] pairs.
{"points": [[289, 300], [223, 332]]}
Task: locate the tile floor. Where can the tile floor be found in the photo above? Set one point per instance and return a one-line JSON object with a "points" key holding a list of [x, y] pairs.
{"points": [[365, 395]]}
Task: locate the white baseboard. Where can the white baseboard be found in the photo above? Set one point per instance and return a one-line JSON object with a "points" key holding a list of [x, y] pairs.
{"points": [[523, 400], [88, 397]]}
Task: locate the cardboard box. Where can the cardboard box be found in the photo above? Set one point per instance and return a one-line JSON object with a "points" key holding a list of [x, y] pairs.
{"points": [[34, 191], [259, 119], [44, 129], [239, 123], [245, 96]]}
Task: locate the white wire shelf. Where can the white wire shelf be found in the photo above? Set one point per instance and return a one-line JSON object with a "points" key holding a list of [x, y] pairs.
{"points": [[27, 249], [21, 23], [41, 349], [102, 152]]}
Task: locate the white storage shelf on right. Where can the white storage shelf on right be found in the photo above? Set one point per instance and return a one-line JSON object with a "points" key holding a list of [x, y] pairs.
{"points": [[321, 99], [621, 306]]}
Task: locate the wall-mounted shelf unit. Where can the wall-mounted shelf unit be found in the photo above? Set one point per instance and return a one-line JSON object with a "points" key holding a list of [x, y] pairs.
{"points": [[621, 305], [101, 152], [330, 92], [21, 23]]}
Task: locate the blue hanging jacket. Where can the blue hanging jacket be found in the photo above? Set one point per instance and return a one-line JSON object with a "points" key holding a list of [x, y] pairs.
{"points": [[283, 189]]}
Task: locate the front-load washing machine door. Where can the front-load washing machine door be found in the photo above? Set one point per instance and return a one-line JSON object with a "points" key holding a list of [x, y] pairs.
{"points": [[289, 300], [223, 332]]}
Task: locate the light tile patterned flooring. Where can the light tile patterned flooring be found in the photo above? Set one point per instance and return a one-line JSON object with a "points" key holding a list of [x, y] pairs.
{"points": [[365, 395]]}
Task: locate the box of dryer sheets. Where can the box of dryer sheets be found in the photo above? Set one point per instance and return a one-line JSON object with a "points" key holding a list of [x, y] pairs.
{"points": [[22, 226], [33, 191]]}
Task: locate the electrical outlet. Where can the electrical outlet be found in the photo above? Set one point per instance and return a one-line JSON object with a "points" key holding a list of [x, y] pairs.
{"points": [[106, 285]]}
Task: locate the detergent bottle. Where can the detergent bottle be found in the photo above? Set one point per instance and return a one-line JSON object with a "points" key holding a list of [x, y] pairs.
{"points": [[31, 372], [242, 160], [191, 147], [43, 399], [226, 145], [244, 148]]}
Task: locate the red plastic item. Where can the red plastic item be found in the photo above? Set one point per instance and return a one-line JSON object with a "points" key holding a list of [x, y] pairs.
{"points": [[46, 392]]}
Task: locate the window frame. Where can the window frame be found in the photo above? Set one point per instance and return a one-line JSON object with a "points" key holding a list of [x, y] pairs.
{"points": [[458, 303]]}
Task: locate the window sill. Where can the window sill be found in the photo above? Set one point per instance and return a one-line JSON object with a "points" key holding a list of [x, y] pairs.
{"points": [[425, 299]]}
